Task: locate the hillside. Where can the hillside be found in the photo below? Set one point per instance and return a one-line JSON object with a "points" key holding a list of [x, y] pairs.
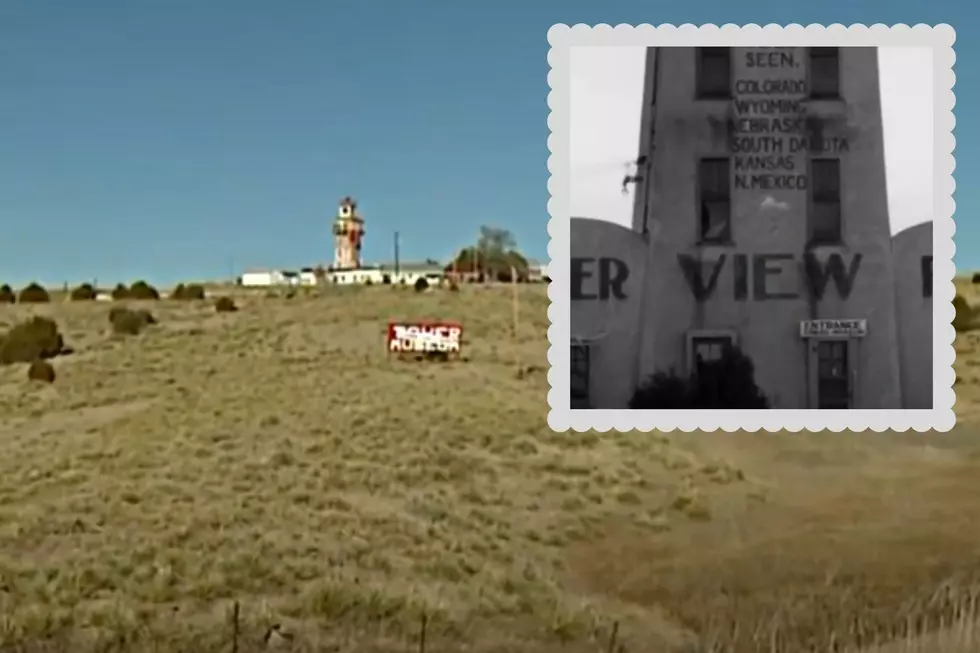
{"points": [[276, 457]]}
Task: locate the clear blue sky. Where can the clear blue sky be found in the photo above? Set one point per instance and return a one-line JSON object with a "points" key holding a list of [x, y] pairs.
{"points": [[180, 139]]}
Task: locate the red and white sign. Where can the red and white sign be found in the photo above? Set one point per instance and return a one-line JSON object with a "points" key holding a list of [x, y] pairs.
{"points": [[424, 337]]}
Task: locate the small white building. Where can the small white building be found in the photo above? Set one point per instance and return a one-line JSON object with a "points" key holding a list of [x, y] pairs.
{"points": [[262, 278]]}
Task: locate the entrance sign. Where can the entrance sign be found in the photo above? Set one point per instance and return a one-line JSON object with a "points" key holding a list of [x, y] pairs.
{"points": [[833, 328], [444, 338]]}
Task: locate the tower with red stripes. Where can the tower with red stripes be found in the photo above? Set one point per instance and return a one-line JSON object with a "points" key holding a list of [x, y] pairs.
{"points": [[348, 235]]}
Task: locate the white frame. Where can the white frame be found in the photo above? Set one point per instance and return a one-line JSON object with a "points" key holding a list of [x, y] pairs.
{"points": [[940, 38]]}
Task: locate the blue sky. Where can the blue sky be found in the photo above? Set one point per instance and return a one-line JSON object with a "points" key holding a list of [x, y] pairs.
{"points": [[182, 139]]}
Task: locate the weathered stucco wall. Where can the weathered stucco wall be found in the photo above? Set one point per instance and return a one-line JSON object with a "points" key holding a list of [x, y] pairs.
{"points": [[913, 293], [755, 284], [609, 265]]}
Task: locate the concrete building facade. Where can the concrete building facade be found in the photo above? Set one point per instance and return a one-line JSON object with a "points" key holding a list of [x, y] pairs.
{"points": [[762, 212]]}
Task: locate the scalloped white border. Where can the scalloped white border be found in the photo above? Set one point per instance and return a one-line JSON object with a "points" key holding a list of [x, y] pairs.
{"points": [[940, 38]]}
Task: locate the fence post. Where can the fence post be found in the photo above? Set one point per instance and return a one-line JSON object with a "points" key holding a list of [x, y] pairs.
{"points": [[235, 626], [612, 638], [425, 621]]}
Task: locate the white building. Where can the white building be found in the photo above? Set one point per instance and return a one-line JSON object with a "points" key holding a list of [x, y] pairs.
{"points": [[262, 278]]}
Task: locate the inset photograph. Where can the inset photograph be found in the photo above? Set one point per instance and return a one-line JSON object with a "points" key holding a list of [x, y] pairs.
{"points": [[752, 227]]}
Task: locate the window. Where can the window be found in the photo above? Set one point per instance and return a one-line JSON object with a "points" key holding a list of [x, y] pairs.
{"points": [[927, 276], [715, 206], [824, 73], [710, 349], [825, 208], [714, 73], [580, 376]]}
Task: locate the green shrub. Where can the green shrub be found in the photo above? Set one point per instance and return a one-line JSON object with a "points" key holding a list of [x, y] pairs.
{"points": [[143, 290], [31, 340], [7, 295], [188, 292], [33, 293], [41, 371], [130, 322], [963, 320], [120, 292], [225, 305], [421, 284], [84, 292]]}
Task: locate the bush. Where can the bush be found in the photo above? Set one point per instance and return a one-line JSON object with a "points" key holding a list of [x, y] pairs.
{"points": [[120, 292], [453, 285], [963, 320], [976, 277], [143, 290], [34, 339], [368, 282], [130, 322], [225, 305], [386, 279], [84, 292], [33, 293], [189, 292], [421, 284], [7, 295], [725, 383], [41, 371]]}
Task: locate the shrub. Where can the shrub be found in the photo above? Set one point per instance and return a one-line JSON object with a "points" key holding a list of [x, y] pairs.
{"points": [[726, 383], [976, 277], [963, 320], [7, 295], [120, 292], [386, 279], [190, 292], [143, 290], [41, 371], [33, 293], [34, 339], [130, 322], [421, 284], [225, 305], [84, 292], [368, 282], [453, 285]]}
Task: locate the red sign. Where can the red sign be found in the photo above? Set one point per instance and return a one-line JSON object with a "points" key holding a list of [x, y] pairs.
{"points": [[425, 338]]}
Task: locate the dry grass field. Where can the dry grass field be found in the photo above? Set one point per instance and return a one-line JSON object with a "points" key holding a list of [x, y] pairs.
{"points": [[275, 457]]}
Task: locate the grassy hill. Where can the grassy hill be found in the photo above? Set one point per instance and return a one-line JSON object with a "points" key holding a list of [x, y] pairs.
{"points": [[277, 458]]}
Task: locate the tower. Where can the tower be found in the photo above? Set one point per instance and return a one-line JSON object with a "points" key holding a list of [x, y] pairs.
{"points": [[764, 199], [348, 233]]}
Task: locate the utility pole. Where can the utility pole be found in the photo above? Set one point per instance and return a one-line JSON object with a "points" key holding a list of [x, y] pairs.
{"points": [[397, 260]]}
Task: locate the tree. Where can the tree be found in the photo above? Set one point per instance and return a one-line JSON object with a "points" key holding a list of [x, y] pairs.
{"points": [[493, 256]]}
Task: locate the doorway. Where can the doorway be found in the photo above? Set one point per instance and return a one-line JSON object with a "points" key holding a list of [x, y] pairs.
{"points": [[833, 375]]}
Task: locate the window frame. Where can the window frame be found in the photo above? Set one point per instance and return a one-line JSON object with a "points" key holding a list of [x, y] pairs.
{"points": [[697, 336], [823, 53], [817, 234], [925, 267], [708, 196], [701, 91], [580, 365]]}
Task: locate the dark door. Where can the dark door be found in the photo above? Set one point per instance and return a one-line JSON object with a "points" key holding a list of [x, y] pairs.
{"points": [[833, 391]]}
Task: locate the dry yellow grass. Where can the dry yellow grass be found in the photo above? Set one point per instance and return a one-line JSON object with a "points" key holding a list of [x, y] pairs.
{"points": [[276, 457]]}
